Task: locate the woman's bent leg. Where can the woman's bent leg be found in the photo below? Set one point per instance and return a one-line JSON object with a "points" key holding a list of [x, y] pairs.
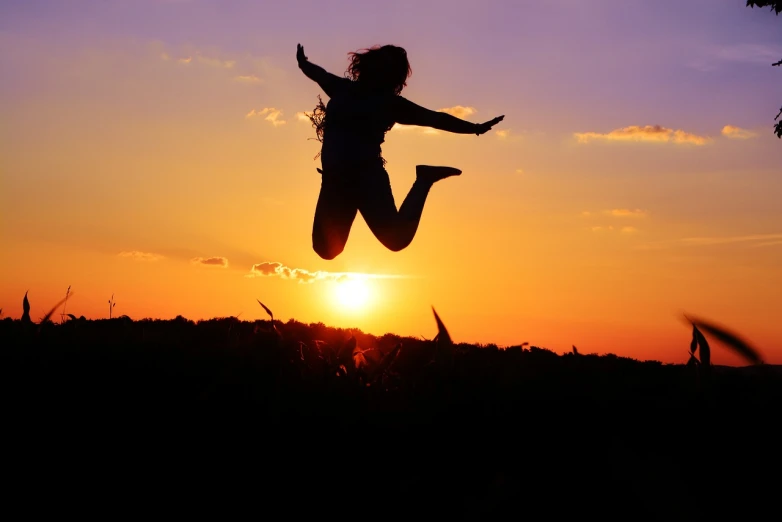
{"points": [[334, 215], [396, 229]]}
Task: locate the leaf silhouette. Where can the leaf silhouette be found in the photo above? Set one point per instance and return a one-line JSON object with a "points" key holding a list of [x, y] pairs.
{"points": [[55, 307], [265, 308], [730, 339], [694, 342], [387, 359], [26, 309], [442, 333], [704, 346], [73, 317], [345, 353]]}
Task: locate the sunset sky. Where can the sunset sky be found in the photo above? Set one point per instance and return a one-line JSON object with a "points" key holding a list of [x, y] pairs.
{"points": [[156, 150]]}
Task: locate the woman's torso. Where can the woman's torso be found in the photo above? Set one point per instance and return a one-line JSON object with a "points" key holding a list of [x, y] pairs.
{"points": [[356, 123]]}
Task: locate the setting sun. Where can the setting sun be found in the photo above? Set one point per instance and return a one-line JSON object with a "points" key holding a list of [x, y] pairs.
{"points": [[352, 294]]}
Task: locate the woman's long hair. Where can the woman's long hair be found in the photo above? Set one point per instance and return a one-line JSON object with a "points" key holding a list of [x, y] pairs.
{"points": [[379, 68]]}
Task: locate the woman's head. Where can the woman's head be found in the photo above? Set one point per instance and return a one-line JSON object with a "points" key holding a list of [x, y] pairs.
{"points": [[380, 68]]}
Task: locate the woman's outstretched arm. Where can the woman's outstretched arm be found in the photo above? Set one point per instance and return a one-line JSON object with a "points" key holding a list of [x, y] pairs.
{"points": [[327, 81], [408, 113]]}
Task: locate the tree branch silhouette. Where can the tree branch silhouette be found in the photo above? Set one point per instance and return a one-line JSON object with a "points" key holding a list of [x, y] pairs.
{"points": [[776, 6]]}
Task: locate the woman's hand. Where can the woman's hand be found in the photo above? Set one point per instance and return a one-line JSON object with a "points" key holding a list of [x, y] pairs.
{"points": [[300, 54], [483, 128]]}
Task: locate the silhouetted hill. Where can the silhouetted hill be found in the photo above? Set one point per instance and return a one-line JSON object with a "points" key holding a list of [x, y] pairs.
{"points": [[308, 419]]}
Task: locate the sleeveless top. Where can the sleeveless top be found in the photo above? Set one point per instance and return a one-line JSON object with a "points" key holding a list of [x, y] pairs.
{"points": [[355, 126]]}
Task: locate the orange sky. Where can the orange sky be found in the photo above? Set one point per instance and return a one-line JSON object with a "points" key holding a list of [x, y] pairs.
{"points": [[636, 182]]}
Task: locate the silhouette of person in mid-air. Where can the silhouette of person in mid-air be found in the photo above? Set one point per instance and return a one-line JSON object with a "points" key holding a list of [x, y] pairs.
{"points": [[352, 127]]}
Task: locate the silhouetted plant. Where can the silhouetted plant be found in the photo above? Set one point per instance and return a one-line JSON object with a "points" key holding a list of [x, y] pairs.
{"points": [[271, 315], [729, 339], [65, 305], [26, 310], [775, 6], [112, 304]]}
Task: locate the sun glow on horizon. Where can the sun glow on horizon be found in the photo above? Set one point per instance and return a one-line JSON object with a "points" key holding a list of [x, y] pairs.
{"points": [[353, 294]]}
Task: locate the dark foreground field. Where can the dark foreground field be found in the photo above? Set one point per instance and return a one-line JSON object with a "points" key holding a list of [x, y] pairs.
{"points": [[292, 420]]}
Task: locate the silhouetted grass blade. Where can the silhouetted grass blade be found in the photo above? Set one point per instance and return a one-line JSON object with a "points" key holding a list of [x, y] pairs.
{"points": [[265, 308], [704, 346], [387, 359], [26, 309], [730, 339], [54, 308], [694, 343], [442, 333]]}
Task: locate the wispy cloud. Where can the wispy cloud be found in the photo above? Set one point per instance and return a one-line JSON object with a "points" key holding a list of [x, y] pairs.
{"points": [[626, 212], [277, 269], [611, 228], [215, 62], [249, 78], [714, 57], [519, 171], [137, 255], [460, 111], [618, 212], [749, 240], [767, 238], [504, 133], [737, 133], [303, 116], [185, 60], [269, 114], [211, 261], [748, 53], [647, 133], [398, 127]]}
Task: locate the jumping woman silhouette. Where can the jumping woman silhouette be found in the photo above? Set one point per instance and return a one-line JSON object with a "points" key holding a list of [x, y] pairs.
{"points": [[352, 126]]}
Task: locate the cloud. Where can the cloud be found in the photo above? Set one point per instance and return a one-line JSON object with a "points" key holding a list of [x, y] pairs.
{"points": [[748, 53], [619, 212], [270, 114], [712, 57], [504, 133], [768, 243], [200, 58], [459, 111], [625, 212], [610, 228], [250, 78], [211, 261], [277, 269], [647, 133], [215, 62], [737, 133], [704, 241], [303, 116], [137, 255], [398, 127], [519, 171]]}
